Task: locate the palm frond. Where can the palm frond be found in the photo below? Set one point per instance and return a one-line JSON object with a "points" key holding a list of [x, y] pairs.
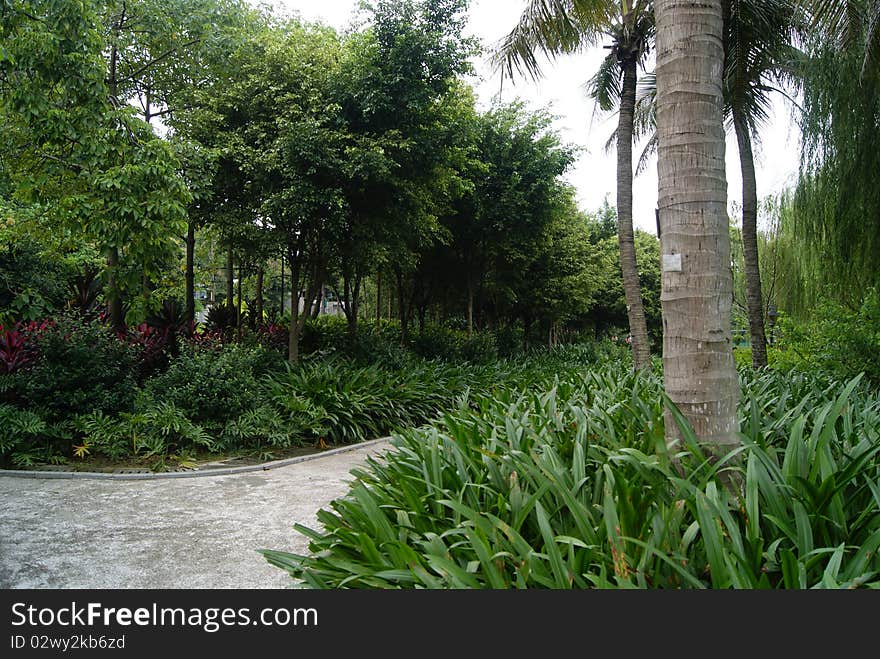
{"points": [[842, 20], [551, 28], [872, 40], [758, 51], [604, 86], [649, 150]]}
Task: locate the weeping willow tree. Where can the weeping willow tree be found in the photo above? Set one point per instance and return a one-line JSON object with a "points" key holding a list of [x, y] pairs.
{"points": [[837, 200]]}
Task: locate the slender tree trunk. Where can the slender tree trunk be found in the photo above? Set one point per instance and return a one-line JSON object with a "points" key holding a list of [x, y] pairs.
{"points": [[189, 275], [239, 324], [355, 303], [258, 305], [470, 306], [230, 277], [293, 334], [281, 308], [698, 368], [114, 296], [401, 307], [754, 299], [378, 297], [632, 291]]}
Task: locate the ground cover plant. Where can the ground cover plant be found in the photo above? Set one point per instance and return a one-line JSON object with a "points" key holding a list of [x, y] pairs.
{"points": [[72, 393], [570, 486]]}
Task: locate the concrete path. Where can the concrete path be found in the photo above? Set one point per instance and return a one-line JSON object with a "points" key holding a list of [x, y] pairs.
{"points": [[200, 532]]}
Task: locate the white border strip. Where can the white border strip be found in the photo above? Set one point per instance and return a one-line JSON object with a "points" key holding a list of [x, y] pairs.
{"points": [[194, 473]]}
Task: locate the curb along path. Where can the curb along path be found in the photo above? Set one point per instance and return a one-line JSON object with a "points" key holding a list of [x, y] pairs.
{"points": [[76, 530]]}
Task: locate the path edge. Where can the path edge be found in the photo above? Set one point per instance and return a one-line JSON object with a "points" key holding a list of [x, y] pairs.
{"points": [[194, 473]]}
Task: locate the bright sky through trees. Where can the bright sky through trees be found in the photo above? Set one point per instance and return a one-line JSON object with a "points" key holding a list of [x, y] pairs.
{"points": [[561, 88]]}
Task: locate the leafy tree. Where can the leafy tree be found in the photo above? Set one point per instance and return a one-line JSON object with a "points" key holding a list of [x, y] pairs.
{"points": [[837, 203], [98, 170]]}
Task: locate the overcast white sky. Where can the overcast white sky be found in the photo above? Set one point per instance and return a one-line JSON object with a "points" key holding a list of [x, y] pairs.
{"points": [[561, 90]]}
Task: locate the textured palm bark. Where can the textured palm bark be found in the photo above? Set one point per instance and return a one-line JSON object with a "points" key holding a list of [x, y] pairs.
{"points": [[754, 298], [632, 291], [698, 368]]}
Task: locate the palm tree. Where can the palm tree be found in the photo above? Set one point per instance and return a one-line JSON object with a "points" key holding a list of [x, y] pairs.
{"points": [[555, 27], [758, 53], [757, 49], [698, 369]]}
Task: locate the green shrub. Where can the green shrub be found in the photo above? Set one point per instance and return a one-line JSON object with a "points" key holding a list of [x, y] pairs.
{"points": [[263, 428], [837, 339], [742, 357], [23, 437], [574, 488], [371, 344], [81, 367], [438, 342], [33, 282], [158, 430], [212, 387]]}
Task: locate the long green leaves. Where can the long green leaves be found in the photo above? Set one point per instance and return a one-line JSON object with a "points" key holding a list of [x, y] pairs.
{"points": [[573, 487]]}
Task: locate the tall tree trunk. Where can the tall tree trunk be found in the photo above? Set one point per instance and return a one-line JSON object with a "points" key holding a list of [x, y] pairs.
{"points": [[238, 314], [114, 295], [632, 291], [470, 306], [293, 334], [189, 275], [281, 308], [258, 304], [378, 297], [754, 299], [698, 369], [230, 277], [401, 306]]}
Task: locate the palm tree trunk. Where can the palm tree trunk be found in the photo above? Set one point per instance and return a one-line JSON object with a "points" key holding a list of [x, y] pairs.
{"points": [[754, 299], [635, 310], [698, 368]]}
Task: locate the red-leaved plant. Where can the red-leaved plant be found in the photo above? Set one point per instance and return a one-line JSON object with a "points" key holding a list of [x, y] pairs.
{"points": [[18, 345]]}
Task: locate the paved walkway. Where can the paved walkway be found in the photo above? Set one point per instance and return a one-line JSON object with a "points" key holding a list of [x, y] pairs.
{"points": [[200, 532]]}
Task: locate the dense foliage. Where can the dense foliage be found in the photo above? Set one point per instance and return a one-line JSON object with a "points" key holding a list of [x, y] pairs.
{"points": [[70, 390], [571, 486]]}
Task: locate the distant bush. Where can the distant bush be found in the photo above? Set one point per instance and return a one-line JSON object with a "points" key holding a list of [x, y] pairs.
{"points": [[836, 339], [438, 342], [212, 387]]}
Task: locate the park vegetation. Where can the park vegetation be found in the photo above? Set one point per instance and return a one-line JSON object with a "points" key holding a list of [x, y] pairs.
{"points": [[224, 231]]}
